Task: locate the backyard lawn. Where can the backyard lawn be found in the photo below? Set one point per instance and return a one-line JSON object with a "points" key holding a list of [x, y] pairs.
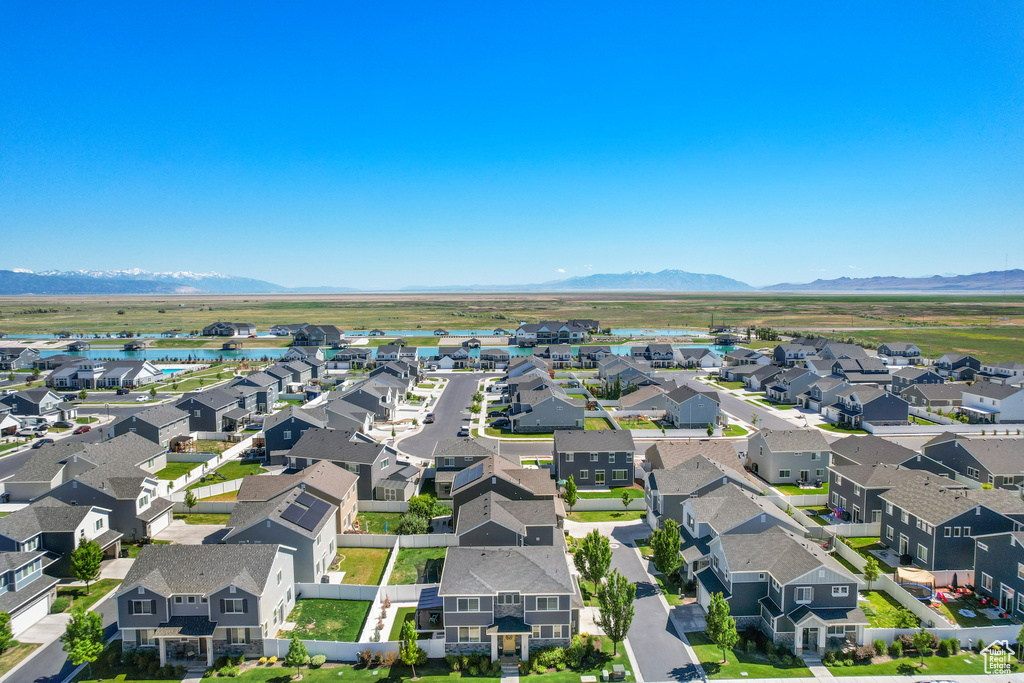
{"points": [[362, 566], [212, 446], [97, 591], [881, 609], [135, 548], [864, 544], [176, 469], [217, 518], [222, 497], [417, 565], [339, 620], [378, 522], [792, 490], [403, 615], [951, 612], [233, 469], [632, 491], [593, 516], [840, 430], [506, 434], [596, 423], [637, 423], [739, 666]]}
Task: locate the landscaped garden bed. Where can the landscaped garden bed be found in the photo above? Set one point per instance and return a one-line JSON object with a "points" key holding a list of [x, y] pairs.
{"points": [[753, 657]]}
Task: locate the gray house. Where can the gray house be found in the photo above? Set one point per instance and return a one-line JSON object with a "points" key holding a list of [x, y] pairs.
{"points": [[194, 603], [665, 491], [788, 456], [600, 459], [283, 429], [785, 585], [454, 455], [958, 366], [909, 376], [159, 424], [496, 474], [822, 392], [17, 357], [303, 524], [995, 460], [38, 402], [381, 476], [545, 410], [508, 601], [266, 389], [690, 409], [867, 404], [646, 399], [324, 480], [213, 410], [27, 593], [57, 528], [900, 353], [934, 524], [934, 397], [856, 495], [491, 519], [999, 570], [787, 387]]}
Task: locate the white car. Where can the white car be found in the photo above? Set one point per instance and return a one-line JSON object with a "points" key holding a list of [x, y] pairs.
{"points": [[142, 398]]}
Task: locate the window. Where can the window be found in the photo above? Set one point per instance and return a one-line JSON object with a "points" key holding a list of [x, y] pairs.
{"points": [[141, 606], [888, 508], [384, 464], [819, 473], [288, 595], [199, 413], [803, 594], [99, 524], [947, 532], [238, 636], [982, 546], [840, 591], [904, 517], [1020, 570], [508, 598], [448, 462], [569, 457], [922, 553], [775, 585], [986, 581], [972, 472], [967, 531], [178, 599], [584, 474], [835, 498], [783, 474], [146, 637], [468, 605], [815, 456], [319, 538], [469, 634], [536, 631], [278, 577], [547, 604], [287, 435], [611, 457], [956, 532], [234, 606], [760, 577]]}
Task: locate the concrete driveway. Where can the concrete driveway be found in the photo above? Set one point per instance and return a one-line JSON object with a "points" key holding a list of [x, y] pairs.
{"points": [[191, 534]]}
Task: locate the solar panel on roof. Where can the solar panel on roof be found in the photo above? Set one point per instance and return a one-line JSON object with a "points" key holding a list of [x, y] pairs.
{"points": [[319, 506], [305, 499], [293, 514], [468, 475], [310, 520]]}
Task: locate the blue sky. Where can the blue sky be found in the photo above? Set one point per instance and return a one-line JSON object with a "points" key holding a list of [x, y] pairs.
{"points": [[380, 145]]}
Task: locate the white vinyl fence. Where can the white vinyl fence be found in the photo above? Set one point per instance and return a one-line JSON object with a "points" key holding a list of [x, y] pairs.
{"points": [[405, 541], [966, 636], [210, 464], [348, 652], [207, 491], [407, 592], [207, 507], [370, 627], [383, 505], [334, 591]]}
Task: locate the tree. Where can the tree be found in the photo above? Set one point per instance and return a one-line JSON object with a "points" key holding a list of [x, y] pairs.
{"points": [[83, 394], [426, 507], [412, 524], [1020, 643], [6, 634], [711, 429], [83, 637], [922, 642], [593, 558], [721, 627], [85, 562], [665, 544], [190, 501], [410, 650], [625, 499], [871, 571], [571, 496], [615, 601], [152, 392], [297, 654]]}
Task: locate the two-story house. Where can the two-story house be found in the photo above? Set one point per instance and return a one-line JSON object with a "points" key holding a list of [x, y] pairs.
{"points": [[762, 377], [228, 329], [788, 456], [491, 519], [494, 358], [381, 476], [159, 424], [788, 355], [499, 475], [867, 404], [697, 357], [958, 366], [909, 376], [687, 408], [266, 389], [303, 524], [656, 355], [545, 410], [352, 358], [999, 570], [317, 335], [589, 355], [934, 397], [665, 490], [325, 480], [785, 585], [899, 353], [789, 386], [550, 332], [283, 429], [995, 460], [988, 402], [600, 459], [38, 402], [17, 357], [861, 371], [213, 410], [822, 392], [1001, 370], [25, 592], [558, 355], [449, 358], [856, 496], [934, 524], [57, 528], [454, 455], [194, 603]]}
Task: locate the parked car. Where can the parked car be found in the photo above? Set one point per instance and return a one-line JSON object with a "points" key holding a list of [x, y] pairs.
{"points": [[464, 431], [8, 392], [429, 419], [39, 443], [31, 430], [63, 424], [141, 398], [496, 413], [70, 397], [497, 424], [82, 430], [122, 391]]}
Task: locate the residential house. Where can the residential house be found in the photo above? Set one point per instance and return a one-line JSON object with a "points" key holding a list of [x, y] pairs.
{"points": [[494, 358], [216, 410], [1002, 370], [999, 570], [304, 353], [589, 324], [526, 365], [266, 388], [762, 377], [508, 601], [451, 456], [858, 488], [304, 525], [286, 330], [988, 402], [56, 528], [27, 593], [317, 335], [665, 490], [899, 353], [788, 456], [995, 460], [788, 387], [746, 357], [551, 332], [788, 355], [697, 357], [646, 400], [666, 454], [545, 410], [491, 519], [78, 347], [381, 476], [558, 355], [959, 366], [87, 373], [934, 524], [37, 402], [325, 480], [656, 355], [787, 586], [203, 602], [283, 429], [838, 351], [822, 392], [352, 358], [934, 397], [600, 459], [159, 424], [17, 357], [502, 476], [375, 394], [687, 408], [861, 371], [448, 358], [866, 404], [589, 355], [226, 329], [910, 376]]}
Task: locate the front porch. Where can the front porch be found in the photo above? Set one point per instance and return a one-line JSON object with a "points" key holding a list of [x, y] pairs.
{"points": [[510, 638], [186, 640], [816, 628]]}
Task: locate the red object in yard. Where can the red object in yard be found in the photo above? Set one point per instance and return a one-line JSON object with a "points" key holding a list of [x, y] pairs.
{"points": [[942, 596]]}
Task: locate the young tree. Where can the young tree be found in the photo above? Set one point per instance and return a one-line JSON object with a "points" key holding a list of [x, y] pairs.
{"points": [[409, 524], [83, 394], [6, 634], [85, 562], [571, 495], [665, 545], [721, 627], [625, 499], [83, 637], [152, 392], [190, 501], [871, 571], [711, 429], [410, 650], [297, 655], [1020, 643], [593, 558], [922, 642], [615, 614]]}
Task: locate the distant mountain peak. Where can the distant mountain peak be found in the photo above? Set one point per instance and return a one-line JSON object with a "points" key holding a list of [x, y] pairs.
{"points": [[991, 281]]}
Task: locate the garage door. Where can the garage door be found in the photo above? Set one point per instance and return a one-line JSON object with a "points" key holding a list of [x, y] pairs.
{"points": [[31, 615], [160, 523]]}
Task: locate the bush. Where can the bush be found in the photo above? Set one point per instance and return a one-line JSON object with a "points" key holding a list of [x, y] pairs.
{"points": [[944, 648], [896, 649], [229, 671], [980, 646], [59, 605], [389, 659], [576, 651], [879, 645], [864, 654], [773, 658], [550, 657], [954, 646], [473, 670], [829, 659], [559, 667], [453, 662], [769, 648], [316, 661], [751, 647]]}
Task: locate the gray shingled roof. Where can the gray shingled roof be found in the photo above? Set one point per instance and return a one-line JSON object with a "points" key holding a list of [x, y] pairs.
{"points": [[538, 481], [884, 475], [666, 454], [689, 476], [869, 449], [486, 571], [582, 441], [728, 506], [935, 501], [297, 413], [999, 454], [246, 514], [794, 440], [126, 450], [336, 445], [947, 391], [512, 514], [991, 390], [466, 446], [780, 553], [160, 415], [685, 393], [201, 569], [323, 476], [47, 515]]}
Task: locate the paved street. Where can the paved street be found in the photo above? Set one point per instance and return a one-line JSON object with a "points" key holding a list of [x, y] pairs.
{"points": [[51, 664], [734, 405], [450, 414]]}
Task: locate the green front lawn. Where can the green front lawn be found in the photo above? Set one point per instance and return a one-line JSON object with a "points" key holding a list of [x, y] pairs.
{"points": [[596, 423], [86, 420], [135, 548], [506, 434], [174, 470], [729, 385], [97, 591], [417, 565], [792, 490], [734, 430], [592, 516], [739, 665], [670, 588], [632, 492], [9, 446], [378, 522], [229, 471], [362, 566], [963, 664], [14, 654], [840, 430], [881, 609], [403, 615], [339, 620], [218, 518]]}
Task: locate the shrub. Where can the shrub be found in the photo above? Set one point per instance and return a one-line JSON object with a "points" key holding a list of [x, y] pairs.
{"points": [[208, 672], [896, 649], [59, 605], [263, 660], [848, 661], [769, 648], [829, 659], [316, 661], [537, 668], [241, 659], [864, 653], [473, 670], [773, 658], [550, 657], [575, 652], [981, 645], [944, 648], [228, 671], [879, 646], [453, 662], [751, 647], [954, 646], [560, 666], [271, 660]]}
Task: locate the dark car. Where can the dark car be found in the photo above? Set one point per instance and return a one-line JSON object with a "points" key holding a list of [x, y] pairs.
{"points": [[122, 392], [496, 413], [429, 419], [503, 422], [70, 397], [39, 443], [82, 430], [63, 424]]}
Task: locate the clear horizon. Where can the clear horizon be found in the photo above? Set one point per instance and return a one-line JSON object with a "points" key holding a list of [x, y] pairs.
{"points": [[375, 147]]}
